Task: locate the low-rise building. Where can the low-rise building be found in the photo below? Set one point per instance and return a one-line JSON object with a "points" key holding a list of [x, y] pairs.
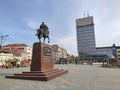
{"points": [[59, 52], [22, 50], [6, 57], [118, 52], [104, 51], [55, 53], [108, 51]]}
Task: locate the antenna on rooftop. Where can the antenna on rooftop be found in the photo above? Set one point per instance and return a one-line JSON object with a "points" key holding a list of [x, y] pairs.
{"points": [[84, 13], [1, 37], [87, 13]]}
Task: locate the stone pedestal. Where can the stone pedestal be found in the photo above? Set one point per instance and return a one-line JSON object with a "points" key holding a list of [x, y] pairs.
{"points": [[42, 66], [42, 59]]}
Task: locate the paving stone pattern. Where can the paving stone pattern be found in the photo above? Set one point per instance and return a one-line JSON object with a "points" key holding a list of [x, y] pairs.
{"points": [[80, 77]]}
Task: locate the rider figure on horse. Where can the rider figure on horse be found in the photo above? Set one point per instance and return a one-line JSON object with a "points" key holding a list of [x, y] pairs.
{"points": [[43, 32]]}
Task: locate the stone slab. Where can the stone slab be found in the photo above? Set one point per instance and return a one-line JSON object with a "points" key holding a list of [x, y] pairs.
{"points": [[39, 76]]}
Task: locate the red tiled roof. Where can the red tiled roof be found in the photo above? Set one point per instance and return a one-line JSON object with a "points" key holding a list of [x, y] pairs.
{"points": [[15, 52], [14, 45]]}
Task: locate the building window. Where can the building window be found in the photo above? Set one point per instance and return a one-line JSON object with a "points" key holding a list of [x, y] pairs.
{"points": [[118, 51], [29, 49], [21, 48]]}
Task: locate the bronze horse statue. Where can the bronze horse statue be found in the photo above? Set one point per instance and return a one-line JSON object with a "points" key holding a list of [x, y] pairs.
{"points": [[43, 32]]}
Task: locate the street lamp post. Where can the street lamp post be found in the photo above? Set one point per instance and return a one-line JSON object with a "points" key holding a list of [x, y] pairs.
{"points": [[1, 37]]}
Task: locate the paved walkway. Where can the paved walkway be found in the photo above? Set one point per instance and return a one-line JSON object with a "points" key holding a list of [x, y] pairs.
{"points": [[80, 77]]}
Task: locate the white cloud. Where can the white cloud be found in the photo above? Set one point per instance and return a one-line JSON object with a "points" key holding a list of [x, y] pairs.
{"points": [[116, 24], [69, 43], [31, 23]]}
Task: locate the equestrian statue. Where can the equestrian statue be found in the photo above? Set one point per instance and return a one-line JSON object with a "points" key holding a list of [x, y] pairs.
{"points": [[43, 32]]}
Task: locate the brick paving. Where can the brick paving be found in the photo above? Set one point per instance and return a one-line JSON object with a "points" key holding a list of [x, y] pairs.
{"points": [[80, 77]]}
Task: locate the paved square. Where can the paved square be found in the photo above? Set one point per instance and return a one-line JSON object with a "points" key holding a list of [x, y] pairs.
{"points": [[80, 77]]}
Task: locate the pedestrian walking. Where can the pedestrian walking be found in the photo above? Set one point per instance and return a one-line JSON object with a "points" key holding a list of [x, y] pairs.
{"points": [[76, 61], [3, 66], [91, 63], [14, 64]]}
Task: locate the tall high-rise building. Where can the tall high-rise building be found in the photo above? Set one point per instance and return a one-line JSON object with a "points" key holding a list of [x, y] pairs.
{"points": [[85, 36]]}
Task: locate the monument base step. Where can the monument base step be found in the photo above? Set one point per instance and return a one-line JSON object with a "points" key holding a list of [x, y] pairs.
{"points": [[39, 75]]}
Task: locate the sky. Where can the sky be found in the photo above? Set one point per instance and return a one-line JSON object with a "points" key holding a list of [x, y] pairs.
{"points": [[21, 18]]}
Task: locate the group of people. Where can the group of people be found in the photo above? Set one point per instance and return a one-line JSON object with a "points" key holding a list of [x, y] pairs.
{"points": [[12, 65], [90, 62]]}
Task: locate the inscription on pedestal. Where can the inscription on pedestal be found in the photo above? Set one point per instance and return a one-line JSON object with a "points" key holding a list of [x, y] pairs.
{"points": [[47, 55], [47, 60]]}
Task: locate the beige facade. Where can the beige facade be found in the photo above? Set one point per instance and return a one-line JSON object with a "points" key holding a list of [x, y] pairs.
{"points": [[84, 21], [59, 52], [118, 52], [62, 52]]}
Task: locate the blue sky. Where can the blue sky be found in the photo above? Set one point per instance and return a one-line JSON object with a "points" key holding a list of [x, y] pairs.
{"points": [[20, 18]]}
